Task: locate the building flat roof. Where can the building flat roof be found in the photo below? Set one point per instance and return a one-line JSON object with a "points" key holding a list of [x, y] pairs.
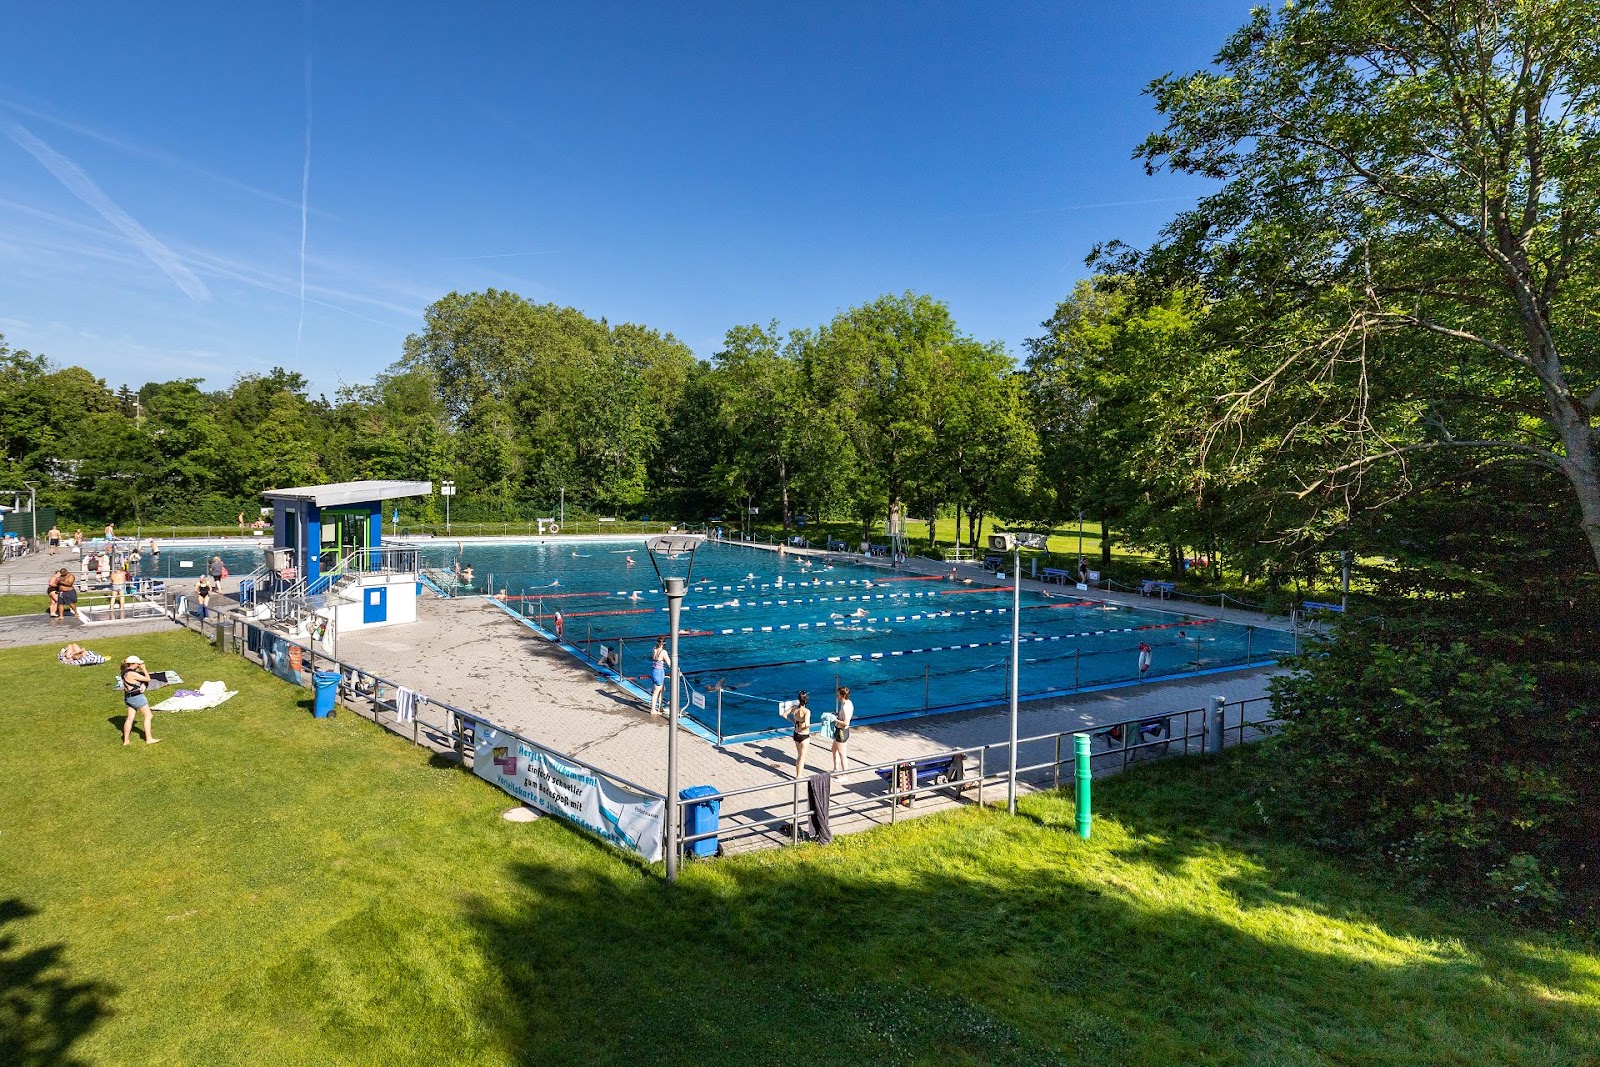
{"points": [[336, 493]]}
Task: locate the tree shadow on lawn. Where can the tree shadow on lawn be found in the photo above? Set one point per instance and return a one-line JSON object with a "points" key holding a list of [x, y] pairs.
{"points": [[43, 1012], [955, 955], [1163, 823]]}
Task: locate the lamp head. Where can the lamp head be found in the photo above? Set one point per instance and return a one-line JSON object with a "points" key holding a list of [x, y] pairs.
{"points": [[672, 556]]}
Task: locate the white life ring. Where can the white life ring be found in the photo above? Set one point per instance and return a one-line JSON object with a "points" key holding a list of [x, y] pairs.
{"points": [[555, 527]]}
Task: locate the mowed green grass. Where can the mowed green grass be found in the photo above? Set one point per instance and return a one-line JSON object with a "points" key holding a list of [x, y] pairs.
{"points": [[24, 603], [266, 888]]}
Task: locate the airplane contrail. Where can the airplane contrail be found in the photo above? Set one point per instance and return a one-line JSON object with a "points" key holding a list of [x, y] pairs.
{"points": [[305, 202], [83, 187]]}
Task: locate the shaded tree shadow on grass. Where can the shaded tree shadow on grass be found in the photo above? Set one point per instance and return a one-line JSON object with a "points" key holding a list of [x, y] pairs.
{"points": [[1172, 819], [43, 1012], [954, 955]]}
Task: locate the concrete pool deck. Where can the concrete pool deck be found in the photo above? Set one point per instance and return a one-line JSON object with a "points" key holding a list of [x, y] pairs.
{"points": [[472, 654]]}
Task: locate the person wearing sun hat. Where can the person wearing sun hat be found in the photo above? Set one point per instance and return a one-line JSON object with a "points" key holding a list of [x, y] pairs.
{"points": [[135, 679]]}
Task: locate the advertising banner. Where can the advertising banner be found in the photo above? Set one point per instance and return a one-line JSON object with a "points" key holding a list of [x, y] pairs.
{"points": [[624, 818]]}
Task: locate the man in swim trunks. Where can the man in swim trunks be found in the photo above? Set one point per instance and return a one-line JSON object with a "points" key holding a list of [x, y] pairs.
{"points": [[66, 594], [54, 537]]}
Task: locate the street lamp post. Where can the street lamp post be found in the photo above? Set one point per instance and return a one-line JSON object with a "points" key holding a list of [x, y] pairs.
{"points": [[33, 507], [675, 552], [447, 489], [1080, 541], [1016, 658]]}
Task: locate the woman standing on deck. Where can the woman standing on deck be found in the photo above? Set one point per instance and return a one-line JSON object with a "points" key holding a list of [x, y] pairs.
{"points": [[799, 713], [660, 660], [841, 727]]}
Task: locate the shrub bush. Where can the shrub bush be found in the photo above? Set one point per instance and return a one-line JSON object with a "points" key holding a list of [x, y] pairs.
{"points": [[1454, 768]]}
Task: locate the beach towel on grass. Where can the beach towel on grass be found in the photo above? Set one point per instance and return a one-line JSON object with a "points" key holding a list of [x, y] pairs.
{"points": [[89, 659], [209, 695]]}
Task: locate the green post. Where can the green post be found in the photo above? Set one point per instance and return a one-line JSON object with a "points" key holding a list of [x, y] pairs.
{"points": [[1080, 748]]}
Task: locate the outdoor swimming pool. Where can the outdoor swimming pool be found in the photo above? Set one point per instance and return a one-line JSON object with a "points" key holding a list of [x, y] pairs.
{"points": [[763, 627], [187, 558]]}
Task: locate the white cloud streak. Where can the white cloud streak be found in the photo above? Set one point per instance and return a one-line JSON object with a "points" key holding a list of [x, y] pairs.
{"points": [[502, 255], [305, 203], [83, 187]]}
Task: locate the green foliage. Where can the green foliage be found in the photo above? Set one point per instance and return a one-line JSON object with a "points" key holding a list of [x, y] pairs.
{"points": [[1399, 265], [1443, 763]]}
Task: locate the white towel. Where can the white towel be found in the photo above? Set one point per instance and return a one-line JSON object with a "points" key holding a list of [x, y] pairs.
{"points": [[405, 704]]}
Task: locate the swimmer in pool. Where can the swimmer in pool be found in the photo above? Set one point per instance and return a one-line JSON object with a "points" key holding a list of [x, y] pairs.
{"points": [[630, 561], [859, 613]]}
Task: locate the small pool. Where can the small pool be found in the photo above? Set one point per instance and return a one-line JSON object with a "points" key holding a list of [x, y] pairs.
{"points": [[188, 558], [756, 628]]}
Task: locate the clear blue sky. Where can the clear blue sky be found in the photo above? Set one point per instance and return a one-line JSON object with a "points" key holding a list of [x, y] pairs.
{"points": [[685, 166]]}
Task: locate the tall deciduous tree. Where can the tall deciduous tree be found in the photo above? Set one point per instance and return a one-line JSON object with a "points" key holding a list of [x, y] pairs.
{"points": [[1404, 251]]}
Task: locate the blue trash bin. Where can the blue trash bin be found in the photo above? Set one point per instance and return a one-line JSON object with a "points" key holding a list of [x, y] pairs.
{"points": [[700, 817], [325, 685]]}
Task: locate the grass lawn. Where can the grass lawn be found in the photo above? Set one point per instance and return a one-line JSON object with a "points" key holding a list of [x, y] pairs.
{"points": [[24, 603], [265, 888]]}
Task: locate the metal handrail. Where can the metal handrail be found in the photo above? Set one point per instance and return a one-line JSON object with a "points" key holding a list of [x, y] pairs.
{"points": [[896, 796], [452, 729]]}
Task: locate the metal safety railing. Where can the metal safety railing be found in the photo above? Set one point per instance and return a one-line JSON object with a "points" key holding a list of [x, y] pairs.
{"points": [[453, 731], [880, 793]]}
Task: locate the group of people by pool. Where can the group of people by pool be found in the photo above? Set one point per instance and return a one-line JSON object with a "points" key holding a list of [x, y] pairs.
{"points": [[835, 725]]}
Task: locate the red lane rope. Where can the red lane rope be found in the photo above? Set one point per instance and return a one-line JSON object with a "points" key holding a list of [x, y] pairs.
{"points": [[582, 614], [558, 596], [984, 589]]}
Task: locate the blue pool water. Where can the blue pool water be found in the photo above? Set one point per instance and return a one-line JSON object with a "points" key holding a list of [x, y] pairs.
{"points": [[187, 559], [764, 627]]}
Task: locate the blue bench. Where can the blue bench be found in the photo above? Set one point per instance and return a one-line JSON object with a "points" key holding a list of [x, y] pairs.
{"points": [[837, 546], [937, 770], [993, 563], [1059, 574], [879, 550], [1151, 587], [1317, 605]]}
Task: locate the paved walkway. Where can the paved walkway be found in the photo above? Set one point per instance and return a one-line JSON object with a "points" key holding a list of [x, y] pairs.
{"points": [[471, 654], [28, 574]]}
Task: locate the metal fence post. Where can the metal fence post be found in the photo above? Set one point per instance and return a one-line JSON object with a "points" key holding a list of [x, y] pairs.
{"points": [[1083, 773], [1055, 768], [1213, 743]]}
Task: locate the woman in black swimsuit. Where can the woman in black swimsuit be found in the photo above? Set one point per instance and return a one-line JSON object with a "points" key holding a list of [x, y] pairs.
{"points": [[800, 715]]}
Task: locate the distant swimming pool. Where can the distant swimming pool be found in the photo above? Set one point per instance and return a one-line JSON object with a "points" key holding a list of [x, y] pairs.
{"points": [[757, 628], [186, 558]]}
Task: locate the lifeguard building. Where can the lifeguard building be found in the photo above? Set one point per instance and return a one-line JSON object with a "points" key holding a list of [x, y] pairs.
{"points": [[328, 557]]}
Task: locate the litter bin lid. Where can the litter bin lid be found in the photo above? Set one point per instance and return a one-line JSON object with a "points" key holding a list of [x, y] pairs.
{"points": [[326, 677], [695, 792]]}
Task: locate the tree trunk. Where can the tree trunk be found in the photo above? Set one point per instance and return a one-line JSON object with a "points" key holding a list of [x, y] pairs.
{"points": [[783, 482], [1174, 560], [1582, 469], [933, 518], [958, 523]]}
